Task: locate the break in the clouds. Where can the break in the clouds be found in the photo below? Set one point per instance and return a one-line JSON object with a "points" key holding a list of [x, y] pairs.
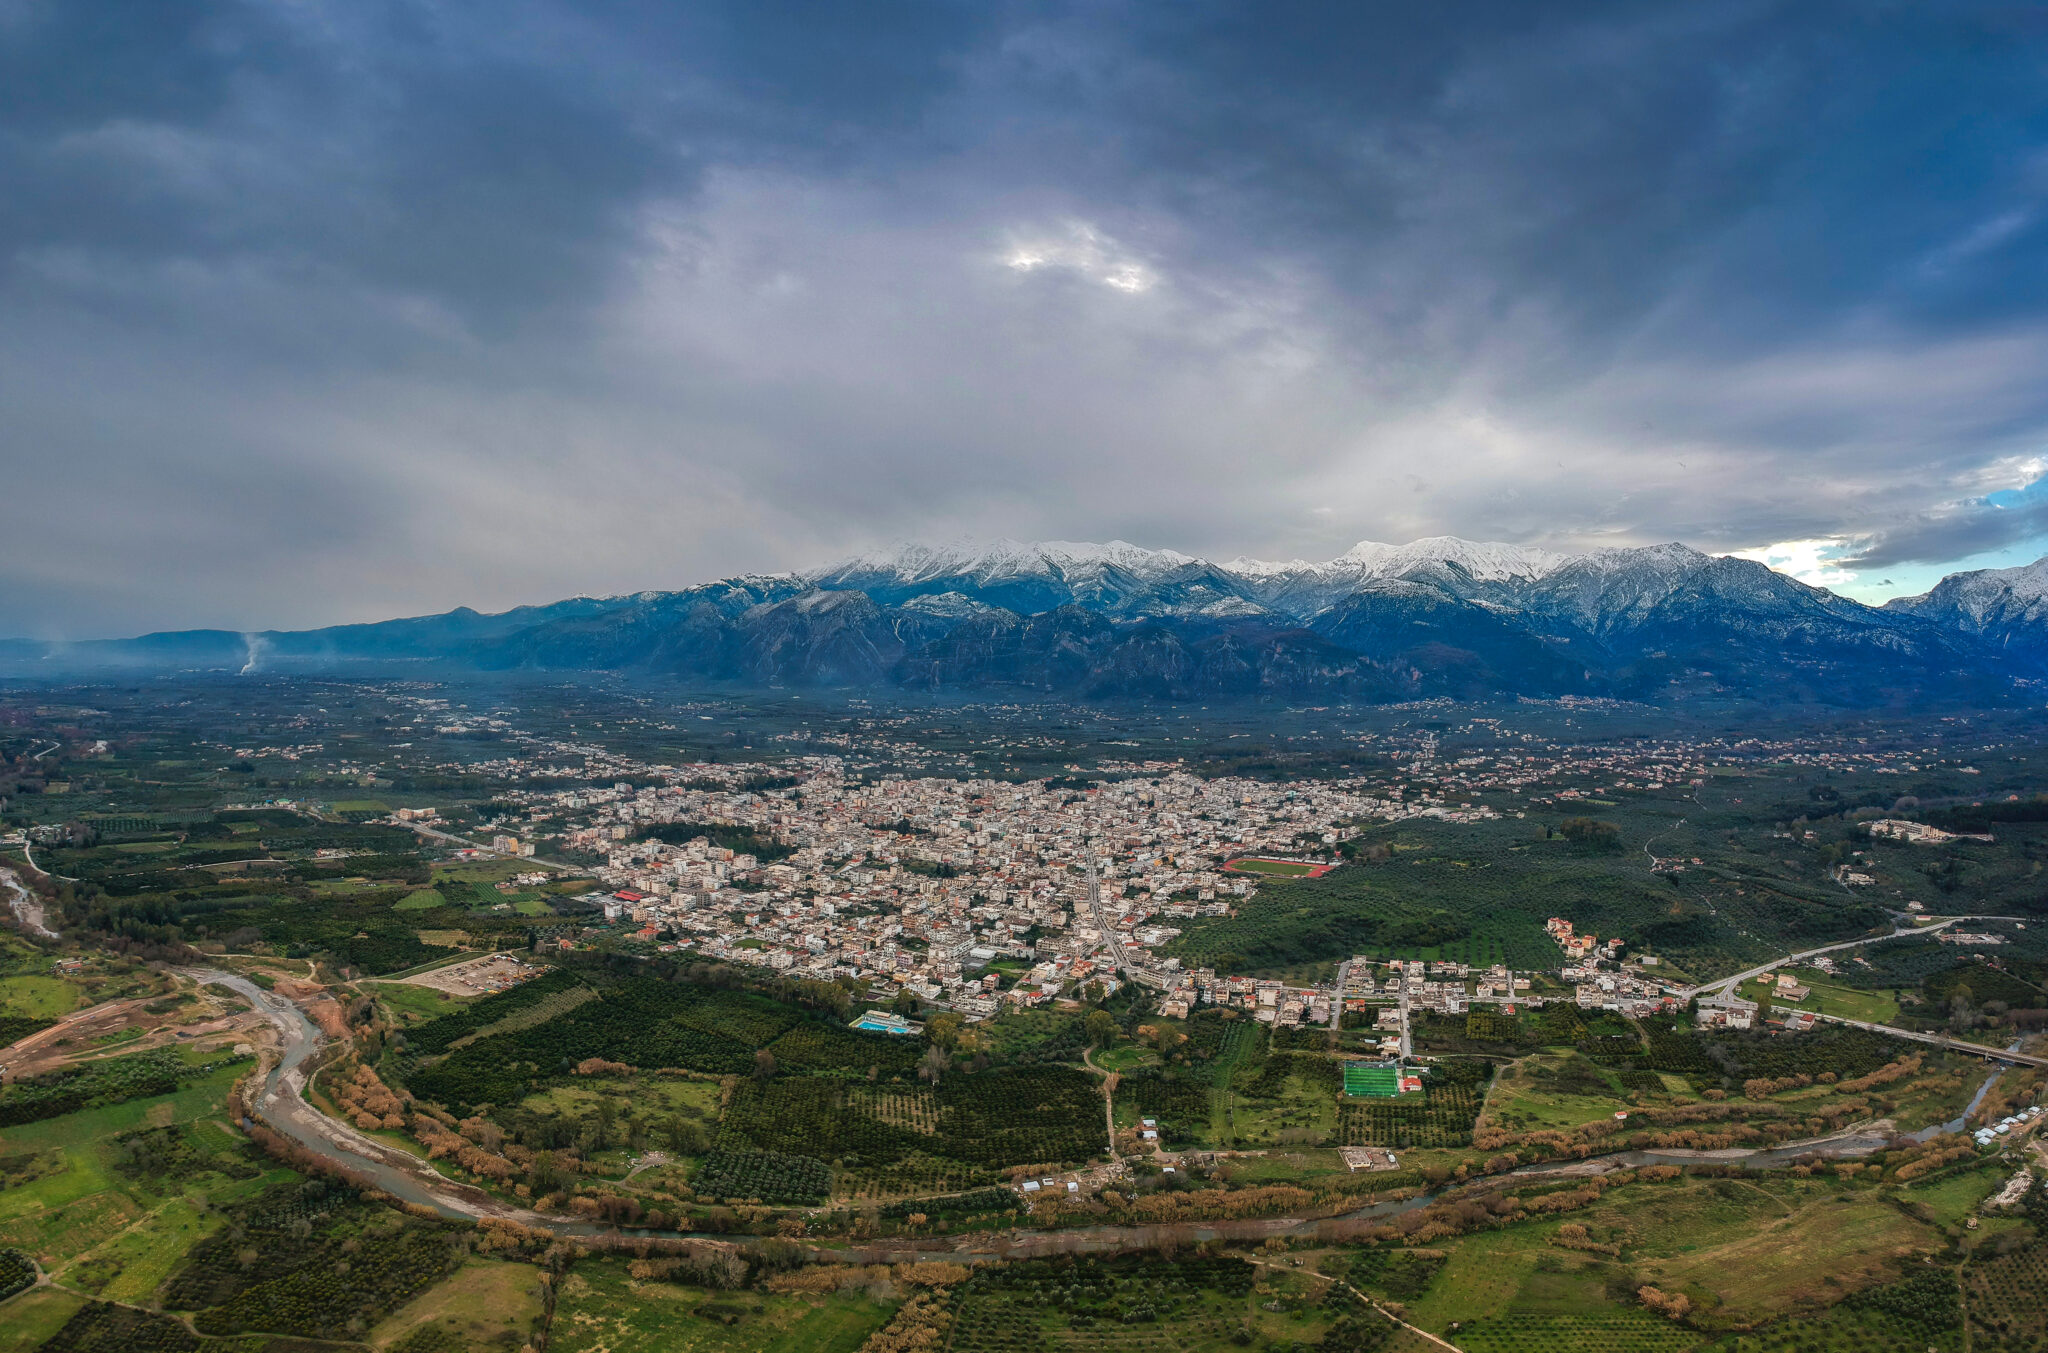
{"points": [[317, 311]]}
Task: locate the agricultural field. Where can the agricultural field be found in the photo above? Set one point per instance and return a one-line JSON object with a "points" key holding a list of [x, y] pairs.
{"points": [[257, 882], [1441, 1116], [982, 1122], [1743, 1252], [1413, 909], [1479, 892], [602, 1308], [483, 1306], [30, 997], [1146, 1304], [1550, 1331], [633, 1087], [1560, 1091], [656, 1096], [1788, 1251], [1830, 997], [1040, 1035], [1276, 868], [85, 1178], [1233, 1083], [1282, 1097], [612, 1069]]}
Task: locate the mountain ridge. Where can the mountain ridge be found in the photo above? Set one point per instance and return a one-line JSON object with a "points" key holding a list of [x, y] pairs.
{"points": [[1439, 616]]}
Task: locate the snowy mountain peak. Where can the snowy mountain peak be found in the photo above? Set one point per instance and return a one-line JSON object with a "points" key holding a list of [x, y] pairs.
{"points": [[1486, 561], [947, 605], [986, 561], [1266, 568], [1990, 601], [2025, 583]]}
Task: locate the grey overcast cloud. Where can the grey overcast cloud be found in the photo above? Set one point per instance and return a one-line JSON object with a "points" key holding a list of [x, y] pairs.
{"points": [[315, 311]]}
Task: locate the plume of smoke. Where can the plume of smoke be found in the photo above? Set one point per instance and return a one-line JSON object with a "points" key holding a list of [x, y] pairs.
{"points": [[257, 646]]}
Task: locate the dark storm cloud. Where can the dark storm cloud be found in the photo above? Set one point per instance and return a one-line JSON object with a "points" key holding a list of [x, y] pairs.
{"points": [[321, 310]]}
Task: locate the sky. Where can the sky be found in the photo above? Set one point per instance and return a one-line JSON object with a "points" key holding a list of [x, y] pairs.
{"points": [[315, 311]]}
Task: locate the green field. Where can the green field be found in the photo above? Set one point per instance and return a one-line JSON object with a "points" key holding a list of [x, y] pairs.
{"points": [[81, 1202], [485, 1305], [1278, 868], [602, 1309], [36, 997], [413, 1003], [1126, 1057], [141, 1257], [27, 1321], [1554, 1091], [360, 807], [647, 1094], [1241, 1041], [1371, 1082], [1828, 997]]}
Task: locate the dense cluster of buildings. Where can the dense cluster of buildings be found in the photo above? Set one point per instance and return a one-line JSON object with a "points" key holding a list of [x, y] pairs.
{"points": [[928, 884], [971, 892]]}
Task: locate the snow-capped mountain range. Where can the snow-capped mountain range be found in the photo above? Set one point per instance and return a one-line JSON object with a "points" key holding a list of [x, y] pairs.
{"points": [[2004, 606], [1436, 616]]}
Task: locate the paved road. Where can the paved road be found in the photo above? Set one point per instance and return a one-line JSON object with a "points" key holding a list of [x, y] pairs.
{"points": [[1337, 993], [1109, 935], [1407, 1042], [1730, 983], [465, 842], [1142, 976], [1936, 1040]]}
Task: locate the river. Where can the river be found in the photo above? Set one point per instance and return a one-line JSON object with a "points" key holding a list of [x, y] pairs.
{"points": [[28, 908], [1958, 1123], [280, 1101]]}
